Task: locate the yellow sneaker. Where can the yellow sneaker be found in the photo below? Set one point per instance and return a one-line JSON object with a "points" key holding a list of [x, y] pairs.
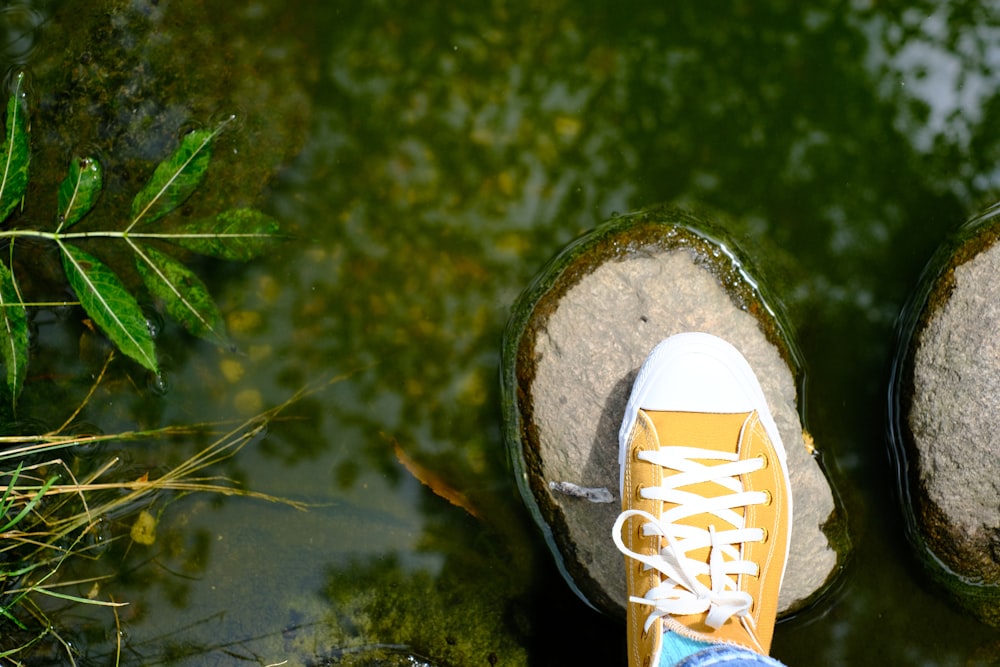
{"points": [[706, 502]]}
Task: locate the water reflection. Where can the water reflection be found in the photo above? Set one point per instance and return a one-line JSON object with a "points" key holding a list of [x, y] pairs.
{"points": [[446, 154]]}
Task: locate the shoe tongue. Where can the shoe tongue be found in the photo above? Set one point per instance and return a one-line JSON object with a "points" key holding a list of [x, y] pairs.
{"points": [[704, 430]]}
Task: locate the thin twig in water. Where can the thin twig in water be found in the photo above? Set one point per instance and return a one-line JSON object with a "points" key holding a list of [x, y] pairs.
{"points": [[86, 399]]}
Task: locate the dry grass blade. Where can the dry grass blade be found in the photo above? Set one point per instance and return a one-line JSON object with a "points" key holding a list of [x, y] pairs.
{"points": [[46, 512]]}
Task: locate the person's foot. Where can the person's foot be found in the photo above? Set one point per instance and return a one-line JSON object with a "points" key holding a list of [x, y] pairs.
{"points": [[706, 501]]}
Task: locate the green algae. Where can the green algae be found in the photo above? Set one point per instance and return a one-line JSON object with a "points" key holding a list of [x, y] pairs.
{"points": [[416, 609]]}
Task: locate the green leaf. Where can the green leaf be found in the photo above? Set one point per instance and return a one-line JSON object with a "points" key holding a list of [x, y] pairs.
{"points": [[184, 294], [175, 178], [109, 304], [238, 234], [13, 332], [15, 154], [79, 190]]}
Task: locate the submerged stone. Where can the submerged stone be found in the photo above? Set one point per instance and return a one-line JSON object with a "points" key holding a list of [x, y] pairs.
{"points": [[571, 352], [944, 402]]}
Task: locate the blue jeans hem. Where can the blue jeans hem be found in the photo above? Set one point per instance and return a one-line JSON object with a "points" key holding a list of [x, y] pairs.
{"points": [[728, 656]]}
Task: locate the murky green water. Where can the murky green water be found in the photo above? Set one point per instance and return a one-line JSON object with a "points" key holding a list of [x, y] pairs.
{"points": [[430, 157]]}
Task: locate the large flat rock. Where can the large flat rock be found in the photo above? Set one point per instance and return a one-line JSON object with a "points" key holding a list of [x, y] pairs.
{"points": [[945, 406], [573, 348]]}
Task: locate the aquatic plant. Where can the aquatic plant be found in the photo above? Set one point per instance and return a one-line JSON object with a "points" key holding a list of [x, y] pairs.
{"points": [[50, 510], [235, 234], [49, 516]]}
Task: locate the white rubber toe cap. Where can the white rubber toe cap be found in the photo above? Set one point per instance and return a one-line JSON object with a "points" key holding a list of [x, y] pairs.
{"points": [[697, 372]]}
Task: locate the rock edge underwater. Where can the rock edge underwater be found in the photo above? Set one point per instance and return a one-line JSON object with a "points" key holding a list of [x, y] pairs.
{"points": [[943, 401]]}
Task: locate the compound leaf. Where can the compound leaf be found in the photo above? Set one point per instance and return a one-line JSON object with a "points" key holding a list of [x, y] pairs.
{"points": [[175, 178], [238, 234], [79, 190], [15, 154], [184, 294], [13, 332], [109, 304]]}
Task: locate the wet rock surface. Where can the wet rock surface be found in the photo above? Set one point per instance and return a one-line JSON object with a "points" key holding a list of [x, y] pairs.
{"points": [[947, 398], [573, 348]]}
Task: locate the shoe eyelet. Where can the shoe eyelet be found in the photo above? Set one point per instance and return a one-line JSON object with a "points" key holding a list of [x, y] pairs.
{"points": [[635, 454], [763, 540], [638, 492], [768, 499], [764, 461]]}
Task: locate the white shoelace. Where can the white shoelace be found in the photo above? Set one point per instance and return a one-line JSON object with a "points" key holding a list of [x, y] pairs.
{"points": [[681, 592]]}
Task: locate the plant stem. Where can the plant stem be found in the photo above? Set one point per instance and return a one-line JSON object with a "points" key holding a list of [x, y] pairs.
{"points": [[56, 236]]}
